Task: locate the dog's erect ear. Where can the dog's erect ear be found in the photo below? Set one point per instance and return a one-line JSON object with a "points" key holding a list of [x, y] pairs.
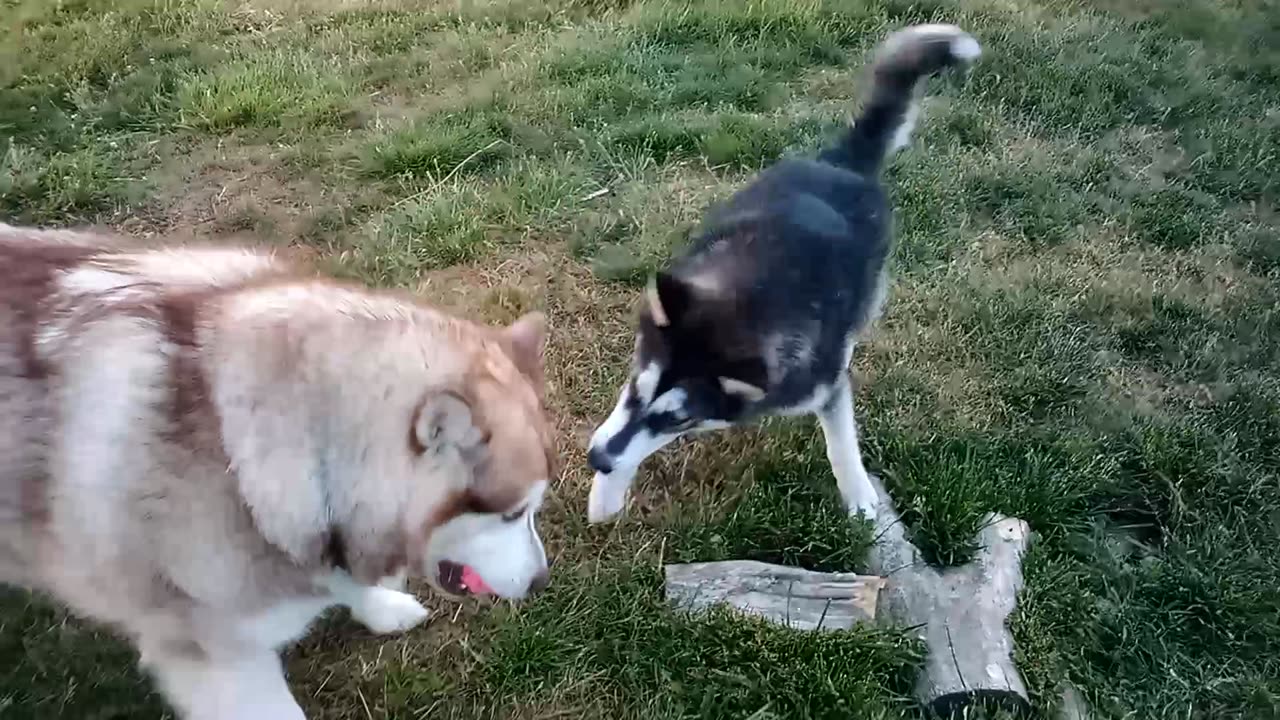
{"points": [[669, 299], [746, 379], [525, 339], [445, 419]]}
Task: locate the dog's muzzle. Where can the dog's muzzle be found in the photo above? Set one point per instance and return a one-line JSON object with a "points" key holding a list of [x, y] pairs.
{"points": [[608, 497], [617, 449]]}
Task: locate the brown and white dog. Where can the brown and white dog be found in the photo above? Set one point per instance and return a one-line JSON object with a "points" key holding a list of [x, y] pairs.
{"points": [[205, 449]]}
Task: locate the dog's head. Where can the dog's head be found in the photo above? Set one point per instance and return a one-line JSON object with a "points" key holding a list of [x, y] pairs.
{"points": [[694, 368], [377, 438], [489, 437]]}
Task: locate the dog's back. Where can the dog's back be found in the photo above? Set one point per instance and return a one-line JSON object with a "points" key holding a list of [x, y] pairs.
{"points": [[803, 248], [95, 389], [28, 264]]}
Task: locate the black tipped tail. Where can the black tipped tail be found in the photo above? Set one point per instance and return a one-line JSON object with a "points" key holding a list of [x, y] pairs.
{"points": [[902, 62]]}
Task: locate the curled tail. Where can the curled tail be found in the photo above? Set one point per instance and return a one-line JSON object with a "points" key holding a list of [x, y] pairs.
{"points": [[904, 60]]}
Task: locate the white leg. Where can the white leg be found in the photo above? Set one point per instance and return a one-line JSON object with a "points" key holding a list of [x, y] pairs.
{"points": [[841, 433], [251, 687], [378, 607]]}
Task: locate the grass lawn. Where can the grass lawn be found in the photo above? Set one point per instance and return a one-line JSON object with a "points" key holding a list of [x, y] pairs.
{"points": [[1083, 330]]}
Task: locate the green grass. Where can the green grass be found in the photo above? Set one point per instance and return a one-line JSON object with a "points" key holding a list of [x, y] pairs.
{"points": [[38, 187], [788, 513], [59, 666], [266, 90], [1083, 329], [615, 629], [438, 146]]}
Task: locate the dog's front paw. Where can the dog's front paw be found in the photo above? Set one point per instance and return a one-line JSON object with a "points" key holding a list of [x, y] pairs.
{"points": [[862, 497], [386, 611]]}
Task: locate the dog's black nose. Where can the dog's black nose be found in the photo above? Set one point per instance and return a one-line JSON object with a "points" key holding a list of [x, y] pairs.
{"points": [[599, 461], [540, 582]]}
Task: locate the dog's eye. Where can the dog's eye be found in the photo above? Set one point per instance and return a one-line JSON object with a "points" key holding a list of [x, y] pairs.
{"points": [[515, 515], [669, 423]]}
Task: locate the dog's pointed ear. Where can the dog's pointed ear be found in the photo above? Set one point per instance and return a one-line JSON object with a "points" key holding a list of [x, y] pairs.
{"points": [[445, 418], [746, 379], [526, 340], [669, 299]]}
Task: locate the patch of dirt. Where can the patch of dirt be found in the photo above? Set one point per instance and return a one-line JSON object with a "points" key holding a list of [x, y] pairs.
{"points": [[220, 188], [226, 191]]}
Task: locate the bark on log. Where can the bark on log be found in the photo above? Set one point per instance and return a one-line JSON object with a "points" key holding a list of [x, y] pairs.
{"points": [[959, 612], [795, 598]]}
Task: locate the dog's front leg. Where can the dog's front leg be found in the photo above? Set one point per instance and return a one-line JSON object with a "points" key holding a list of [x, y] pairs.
{"points": [[248, 687], [841, 434], [380, 608]]}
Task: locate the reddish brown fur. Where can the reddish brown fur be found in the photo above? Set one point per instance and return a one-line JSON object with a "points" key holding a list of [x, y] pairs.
{"points": [[31, 271], [30, 277]]}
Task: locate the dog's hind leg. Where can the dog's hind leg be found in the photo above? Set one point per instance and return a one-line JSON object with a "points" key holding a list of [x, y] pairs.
{"points": [[841, 433]]}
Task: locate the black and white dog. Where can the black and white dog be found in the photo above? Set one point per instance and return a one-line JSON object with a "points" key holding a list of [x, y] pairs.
{"points": [[759, 317]]}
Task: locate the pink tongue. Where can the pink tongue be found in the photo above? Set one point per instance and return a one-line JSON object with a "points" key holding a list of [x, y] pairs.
{"points": [[474, 582]]}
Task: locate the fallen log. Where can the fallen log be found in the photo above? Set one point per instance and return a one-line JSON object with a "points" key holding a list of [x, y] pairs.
{"points": [[793, 597], [959, 613]]}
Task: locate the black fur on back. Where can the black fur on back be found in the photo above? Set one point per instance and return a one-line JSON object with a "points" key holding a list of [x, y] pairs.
{"points": [[800, 254], [783, 274]]}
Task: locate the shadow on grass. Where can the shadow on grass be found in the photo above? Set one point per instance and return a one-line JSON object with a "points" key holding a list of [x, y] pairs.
{"points": [[56, 666]]}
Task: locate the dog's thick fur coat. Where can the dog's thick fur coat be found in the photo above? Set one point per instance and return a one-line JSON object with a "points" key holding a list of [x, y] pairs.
{"points": [[205, 449], [759, 317]]}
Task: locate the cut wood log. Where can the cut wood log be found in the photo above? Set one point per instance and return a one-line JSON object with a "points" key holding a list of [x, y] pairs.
{"points": [[959, 612], [796, 598]]}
